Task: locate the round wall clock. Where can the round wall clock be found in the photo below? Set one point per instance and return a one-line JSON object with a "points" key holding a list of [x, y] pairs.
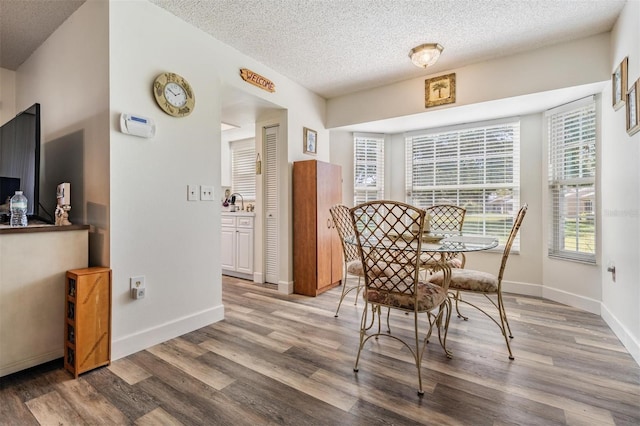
{"points": [[174, 94]]}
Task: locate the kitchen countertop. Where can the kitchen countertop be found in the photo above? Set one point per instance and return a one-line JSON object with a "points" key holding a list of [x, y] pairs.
{"points": [[36, 226], [240, 213]]}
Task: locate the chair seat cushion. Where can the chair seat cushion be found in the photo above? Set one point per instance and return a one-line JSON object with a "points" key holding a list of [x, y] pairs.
{"points": [[429, 297], [468, 280], [454, 262], [355, 268]]}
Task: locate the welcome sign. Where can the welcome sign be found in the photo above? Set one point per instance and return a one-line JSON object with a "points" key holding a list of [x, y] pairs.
{"points": [[257, 80]]}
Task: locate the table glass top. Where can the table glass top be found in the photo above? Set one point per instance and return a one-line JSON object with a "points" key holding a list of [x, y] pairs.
{"points": [[450, 243]]}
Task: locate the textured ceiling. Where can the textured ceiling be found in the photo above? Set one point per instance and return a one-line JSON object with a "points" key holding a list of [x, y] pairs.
{"points": [[334, 47], [26, 24]]}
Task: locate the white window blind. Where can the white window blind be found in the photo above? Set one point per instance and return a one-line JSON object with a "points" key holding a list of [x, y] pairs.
{"points": [[243, 168], [572, 178], [475, 166], [368, 168]]}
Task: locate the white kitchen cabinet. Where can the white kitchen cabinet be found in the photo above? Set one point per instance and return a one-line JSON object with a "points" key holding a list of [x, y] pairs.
{"points": [[237, 245]]}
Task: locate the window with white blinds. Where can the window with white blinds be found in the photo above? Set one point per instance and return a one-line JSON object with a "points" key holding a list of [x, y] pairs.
{"points": [[572, 180], [243, 168], [474, 166], [368, 168]]}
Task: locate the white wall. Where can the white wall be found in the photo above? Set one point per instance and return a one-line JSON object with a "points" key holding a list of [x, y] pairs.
{"points": [[68, 76], [7, 95], [155, 232], [568, 64], [620, 177], [342, 154], [395, 167]]}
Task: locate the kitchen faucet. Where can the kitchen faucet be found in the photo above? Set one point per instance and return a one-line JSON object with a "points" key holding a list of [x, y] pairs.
{"points": [[233, 200]]}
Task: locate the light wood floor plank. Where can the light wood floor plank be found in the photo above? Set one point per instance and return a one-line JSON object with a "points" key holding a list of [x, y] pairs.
{"points": [[92, 406], [157, 417], [53, 409], [330, 395], [171, 352], [128, 371]]}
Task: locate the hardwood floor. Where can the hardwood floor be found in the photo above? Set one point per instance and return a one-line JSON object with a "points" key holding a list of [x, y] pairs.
{"points": [[279, 359]]}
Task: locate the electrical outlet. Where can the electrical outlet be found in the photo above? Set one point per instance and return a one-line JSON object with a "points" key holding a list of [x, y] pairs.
{"points": [[206, 193], [192, 192], [137, 287]]}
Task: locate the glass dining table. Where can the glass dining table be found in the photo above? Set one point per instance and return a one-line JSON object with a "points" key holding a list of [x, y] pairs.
{"points": [[438, 251], [444, 246]]}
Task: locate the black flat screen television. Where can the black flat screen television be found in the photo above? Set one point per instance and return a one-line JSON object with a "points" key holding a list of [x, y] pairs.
{"points": [[20, 158]]}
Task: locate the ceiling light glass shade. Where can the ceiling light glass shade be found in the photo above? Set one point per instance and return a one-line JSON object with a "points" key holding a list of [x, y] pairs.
{"points": [[426, 54]]}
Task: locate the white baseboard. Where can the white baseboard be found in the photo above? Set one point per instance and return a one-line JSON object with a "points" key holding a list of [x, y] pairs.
{"points": [[526, 289], [585, 303], [285, 287], [144, 339], [554, 294], [258, 277], [237, 274], [580, 302], [31, 362], [627, 339]]}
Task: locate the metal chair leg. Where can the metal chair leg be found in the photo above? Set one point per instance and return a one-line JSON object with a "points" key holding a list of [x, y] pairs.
{"points": [[346, 291], [458, 297], [418, 354], [363, 329]]}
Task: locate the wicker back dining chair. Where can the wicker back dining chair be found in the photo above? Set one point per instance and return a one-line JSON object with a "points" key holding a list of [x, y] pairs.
{"points": [[390, 250], [444, 218], [470, 281], [352, 265]]}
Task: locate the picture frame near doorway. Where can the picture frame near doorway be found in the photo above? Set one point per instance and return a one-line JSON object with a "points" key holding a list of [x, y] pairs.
{"points": [[633, 113], [619, 84], [310, 141]]}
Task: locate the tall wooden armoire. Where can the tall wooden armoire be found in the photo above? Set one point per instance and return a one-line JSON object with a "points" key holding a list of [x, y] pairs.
{"points": [[317, 251]]}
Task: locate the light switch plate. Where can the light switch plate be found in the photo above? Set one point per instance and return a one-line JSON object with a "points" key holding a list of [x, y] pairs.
{"points": [[192, 192], [206, 193]]}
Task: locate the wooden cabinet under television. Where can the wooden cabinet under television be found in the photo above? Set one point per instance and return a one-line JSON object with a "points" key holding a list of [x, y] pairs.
{"points": [[87, 322], [317, 251]]}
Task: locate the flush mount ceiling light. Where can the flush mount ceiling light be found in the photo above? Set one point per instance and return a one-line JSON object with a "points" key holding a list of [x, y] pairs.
{"points": [[425, 55]]}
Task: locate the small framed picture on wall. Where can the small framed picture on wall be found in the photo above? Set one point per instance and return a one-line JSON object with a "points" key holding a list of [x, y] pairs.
{"points": [[633, 114], [310, 139], [440, 90], [619, 84]]}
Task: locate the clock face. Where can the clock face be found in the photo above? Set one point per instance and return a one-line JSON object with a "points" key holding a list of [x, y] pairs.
{"points": [[173, 94]]}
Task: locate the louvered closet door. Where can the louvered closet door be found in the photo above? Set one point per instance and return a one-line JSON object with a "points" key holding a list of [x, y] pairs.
{"points": [[271, 204]]}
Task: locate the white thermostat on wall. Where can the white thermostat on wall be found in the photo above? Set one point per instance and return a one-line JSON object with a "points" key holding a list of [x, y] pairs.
{"points": [[137, 125]]}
